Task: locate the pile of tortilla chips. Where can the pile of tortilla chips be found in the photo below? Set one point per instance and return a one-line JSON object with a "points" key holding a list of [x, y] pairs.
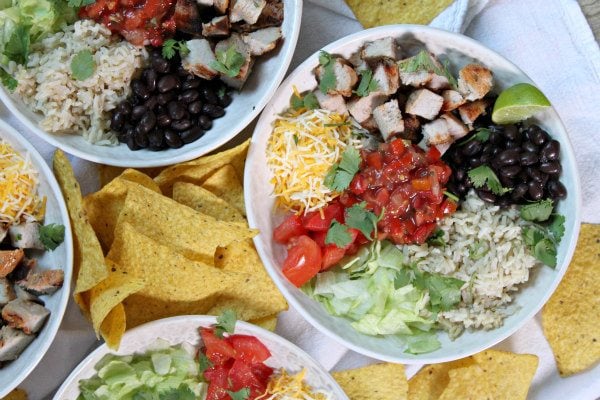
{"points": [[372, 13], [383, 381], [176, 244]]}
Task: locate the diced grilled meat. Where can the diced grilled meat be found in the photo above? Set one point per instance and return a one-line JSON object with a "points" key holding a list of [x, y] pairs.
{"points": [[43, 282], [361, 108], [384, 48], [12, 343], [25, 315], [456, 128], [23, 269], [331, 102], [221, 6], [387, 77], [263, 40], [437, 82], [424, 103], [25, 295], [7, 293], [26, 235], [412, 128], [474, 81], [241, 47], [272, 15], [187, 17], [469, 112], [246, 10], [345, 77], [200, 58], [415, 79], [9, 259], [452, 100], [389, 119], [436, 132], [218, 26]]}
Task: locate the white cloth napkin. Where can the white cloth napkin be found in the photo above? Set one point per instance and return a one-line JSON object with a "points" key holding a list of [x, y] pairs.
{"points": [[549, 39]]}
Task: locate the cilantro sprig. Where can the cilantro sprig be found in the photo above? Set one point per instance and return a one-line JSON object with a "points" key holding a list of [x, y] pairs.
{"points": [[481, 134], [80, 3], [367, 83], [83, 65], [485, 176], [183, 392], [225, 323], [242, 394], [358, 217], [328, 80], [308, 101], [543, 239], [52, 235], [341, 173], [229, 62], [172, 46], [437, 239], [338, 234], [7, 80], [424, 62], [538, 211]]}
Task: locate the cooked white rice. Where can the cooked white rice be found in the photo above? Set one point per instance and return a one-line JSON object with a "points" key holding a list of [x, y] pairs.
{"points": [[492, 276], [69, 105]]}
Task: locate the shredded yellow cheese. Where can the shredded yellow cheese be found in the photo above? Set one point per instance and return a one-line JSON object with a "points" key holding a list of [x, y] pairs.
{"points": [[301, 150], [18, 187], [284, 386]]}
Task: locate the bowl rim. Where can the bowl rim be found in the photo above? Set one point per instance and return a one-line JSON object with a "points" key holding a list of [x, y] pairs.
{"points": [[201, 320], [52, 326], [183, 156], [457, 38]]}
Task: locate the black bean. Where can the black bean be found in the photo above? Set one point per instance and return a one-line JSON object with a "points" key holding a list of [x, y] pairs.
{"points": [[132, 144], [213, 111], [551, 168], [496, 137], [147, 122], [124, 107], [504, 201], [535, 190], [506, 181], [192, 135], [150, 77], [485, 158], [511, 132], [509, 144], [536, 135], [141, 138], [176, 110], [209, 95], [487, 148], [528, 158], [551, 151], [117, 120], [508, 157], [537, 175], [456, 157], [486, 196], [225, 100], [172, 139], [519, 191], [138, 112], [182, 72], [151, 103], [475, 161], [195, 107], [472, 148], [156, 140], [205, 122], [528, 146], [556, 189], [140, 89], [163, 120], [167, 83], [523, 176], [164, 98], [510, 171], [460, 174], [191, 84], [189, 96], [181, 125], [161, 65]]}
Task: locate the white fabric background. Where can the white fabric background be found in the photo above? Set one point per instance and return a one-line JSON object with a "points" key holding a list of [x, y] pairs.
{"points": [[549, 39]]}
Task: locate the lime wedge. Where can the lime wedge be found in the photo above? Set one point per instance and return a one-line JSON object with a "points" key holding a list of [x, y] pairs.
{"points": [[518, 103]]}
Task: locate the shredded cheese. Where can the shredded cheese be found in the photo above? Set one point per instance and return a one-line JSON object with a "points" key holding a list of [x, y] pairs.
{"points": [[18, 187], [301, 150], [284, 386]]}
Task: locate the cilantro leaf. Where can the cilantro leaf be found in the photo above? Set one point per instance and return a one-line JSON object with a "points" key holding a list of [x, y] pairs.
{"points": [[478, 250], [309, 101], [539, 211], [451, 196], [481, 134], [83, 65], [444, 292], [484, 176], [144, 394], [423, 61], [225, 323], [545, 251], [229, 62], [203, 364], [16, 47], [80, 3], [171, 46], [437, 238], [367, 83], [364, 220], [328, 80], [242, 394], [183, 392], [7, 80], [52, 235], [340, 174], [557, 227], [338, 234], [543, 241]]}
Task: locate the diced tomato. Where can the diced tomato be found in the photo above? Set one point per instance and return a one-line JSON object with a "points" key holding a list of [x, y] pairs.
{"points": [[348, 199], [448, 207], [218, 351], [375, 160], [358, 184], [289, 228], [433, 154], [217, 376], [319, 238], [315, 222], [331, 256], [241, 376], [303, 261], [442, 171], [423, 232], [397, 147], [249, 349], [425, 214], [421, 183], [261, 371], [352, 249]]}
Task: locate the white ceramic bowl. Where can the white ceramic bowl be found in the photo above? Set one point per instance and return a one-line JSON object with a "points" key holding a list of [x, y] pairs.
{"points": [[184, 328], [460, 50], [267, 74], [62, 257]]}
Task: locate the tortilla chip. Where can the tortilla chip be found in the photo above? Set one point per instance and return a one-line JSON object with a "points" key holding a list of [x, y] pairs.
{"points": [[571, 318], [226, 184], [83, 301], [89, 267], [108, 173], [372, 13], [191, 233], [113, 327], [112, 291], [468, 383], [269, 323], [384, 381], [508, 374], [206, 202], [196, 171], [17, 394], [431, 380]]}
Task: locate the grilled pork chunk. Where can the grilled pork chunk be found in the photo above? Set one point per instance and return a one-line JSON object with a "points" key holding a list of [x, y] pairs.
{"points": [[12, 343], [26, 235], [43, 282], [334, 103], [241, 47], [200, 58], [389, 119], [246, 10], [7, 293], [452, 100], [218, 26], [474, 81], [25, 315], [361, 108], [424, 103], [25, 295], [345, 77], [9, 259], [263, 40], [471, 111], [379, 49], [387, 77]]}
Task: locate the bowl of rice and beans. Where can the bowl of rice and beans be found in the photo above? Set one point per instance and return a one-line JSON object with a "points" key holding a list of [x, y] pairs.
{"points": [[411, 208]]}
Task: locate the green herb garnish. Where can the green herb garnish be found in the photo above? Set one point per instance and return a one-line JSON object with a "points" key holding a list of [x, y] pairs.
{"points": [[183, 392], [80, 3], [7, 80], [171, 46], [437, 238], [543, 241], [16, 47], [229, 62], [539, 211], [328, 80], [52, 235], [358, 217], [484, 176], [309, 101], [83, 65], [341, 173], [225, 323], [424, 62], [478, 250], [367, 83], [481, 134], [338, 234], [242, 394], [451, 196]]}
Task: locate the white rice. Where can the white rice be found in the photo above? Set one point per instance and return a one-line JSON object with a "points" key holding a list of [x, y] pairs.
{"points": [[490, 280], [67, 104]]}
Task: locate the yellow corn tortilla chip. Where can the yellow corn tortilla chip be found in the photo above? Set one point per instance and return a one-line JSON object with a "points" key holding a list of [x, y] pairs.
{"points": [[104, 206], [571, 318], [269, 323], [508, 374], [468, 383], [113, 327], [112, 291], [89, 267], [196, 171], [17, 394], [225, 183], [108, 173], [191, 233], [384, 381], [372, 13], [206, 202], [82, 299], [431, 380]]}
